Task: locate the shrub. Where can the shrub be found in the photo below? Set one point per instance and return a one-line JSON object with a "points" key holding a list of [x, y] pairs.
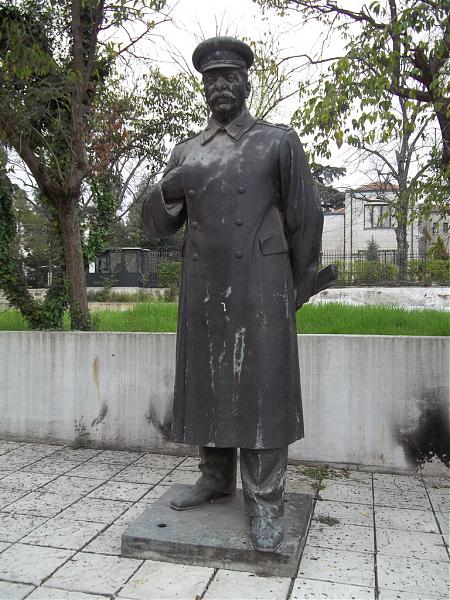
{"points": [[169, 275], [439, 271]]}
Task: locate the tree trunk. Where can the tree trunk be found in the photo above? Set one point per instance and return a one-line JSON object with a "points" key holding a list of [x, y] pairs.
{"points": [[70, 231], [401, 233], [444, 124]]}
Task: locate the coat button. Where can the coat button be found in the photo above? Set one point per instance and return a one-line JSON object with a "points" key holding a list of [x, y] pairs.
{"points": [[191, 193], [239, 222], [241, 189], [194, 225], [238, 254], [195, 256]]}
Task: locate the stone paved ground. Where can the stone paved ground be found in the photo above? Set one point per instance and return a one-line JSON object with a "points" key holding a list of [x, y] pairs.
{"points": [[62, 512]]}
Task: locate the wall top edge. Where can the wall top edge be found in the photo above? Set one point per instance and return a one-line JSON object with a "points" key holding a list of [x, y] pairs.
{"points": [[168, 333]]}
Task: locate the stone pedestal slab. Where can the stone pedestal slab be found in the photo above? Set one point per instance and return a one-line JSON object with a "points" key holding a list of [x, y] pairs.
{"points": [[217, 535]]}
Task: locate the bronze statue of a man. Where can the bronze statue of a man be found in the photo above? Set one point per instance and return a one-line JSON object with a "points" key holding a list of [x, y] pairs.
{"points": [[250, 255]]}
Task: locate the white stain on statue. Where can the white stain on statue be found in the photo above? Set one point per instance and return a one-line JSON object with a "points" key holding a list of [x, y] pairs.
{"points": [[259, 436], [228, 292], [239, 352], [207, 294], [224, 306]]}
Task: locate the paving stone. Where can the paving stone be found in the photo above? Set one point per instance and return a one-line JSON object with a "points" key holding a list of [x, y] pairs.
{"points": [[31, 564], [39, 448], [4, 474], [190, 463], [8, 496], [166, 581], [235, 585], [402, 518], [45, 593], [116, 457], [29, 453], [95, 509], [134, 511], [356, 478], [96, 471], [6, 446], [440, 499], [43, 504], [179, 476], [64, 533], [415, 500], [361, 494], [444, 523], [352, 514], [141, 474], [299, 485], [412, 575], [108, 542], [3, 546], [14, 527], [401, 483], [94, 573], [414, 544], [159, 461], [121, 490], [14, 591], [13, 463], [309, 589], [437, 483], [25, 481], [353, 538], [77, 455], [51, 466], [155, 493], [340, 566], [399, 595], [73, 486]]}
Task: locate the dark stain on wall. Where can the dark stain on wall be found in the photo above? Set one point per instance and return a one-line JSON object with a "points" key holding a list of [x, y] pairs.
{"points": [[101, 415], [162, 426], [429, 437]]}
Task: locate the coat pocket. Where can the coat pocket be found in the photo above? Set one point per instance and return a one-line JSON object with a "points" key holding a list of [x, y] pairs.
{"points": [[273, 243]]}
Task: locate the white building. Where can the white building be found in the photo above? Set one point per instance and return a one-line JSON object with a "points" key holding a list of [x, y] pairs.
{"points": [[366, 217]]}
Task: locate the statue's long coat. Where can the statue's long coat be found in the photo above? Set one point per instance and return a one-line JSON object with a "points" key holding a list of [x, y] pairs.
{"points": [[250, 256]]}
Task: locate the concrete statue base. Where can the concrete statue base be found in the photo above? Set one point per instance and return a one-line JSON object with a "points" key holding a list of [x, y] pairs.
{"points": [[216, 535]]}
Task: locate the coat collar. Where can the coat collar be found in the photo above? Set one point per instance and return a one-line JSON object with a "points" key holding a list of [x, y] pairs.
{"points": [[236, 129]]}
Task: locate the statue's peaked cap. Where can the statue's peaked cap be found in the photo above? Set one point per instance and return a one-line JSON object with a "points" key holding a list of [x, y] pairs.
{"points": [[220, 52]]}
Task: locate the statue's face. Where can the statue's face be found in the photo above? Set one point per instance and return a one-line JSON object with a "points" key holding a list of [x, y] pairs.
{"points": [[226, 90]]}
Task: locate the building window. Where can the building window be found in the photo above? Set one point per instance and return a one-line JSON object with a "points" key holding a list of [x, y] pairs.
{"points": [[435, 228], [444, 227], [378, 216]]}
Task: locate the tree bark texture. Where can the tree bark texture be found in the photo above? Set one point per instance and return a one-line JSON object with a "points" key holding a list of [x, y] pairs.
{"points": [[70, 231]]}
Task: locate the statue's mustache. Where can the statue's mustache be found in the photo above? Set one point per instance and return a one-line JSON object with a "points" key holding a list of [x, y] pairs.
{"points": [[222, 96]]}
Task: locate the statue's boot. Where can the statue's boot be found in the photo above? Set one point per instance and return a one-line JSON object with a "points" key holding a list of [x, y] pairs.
{"points": [[195, 496], [266, 533]]}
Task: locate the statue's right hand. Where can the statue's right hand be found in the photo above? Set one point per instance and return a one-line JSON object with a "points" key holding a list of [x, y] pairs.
{"points": [[172, 185]]}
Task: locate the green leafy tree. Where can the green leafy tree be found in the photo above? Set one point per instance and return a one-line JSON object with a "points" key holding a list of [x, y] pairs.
{"points": [[41, 315], [68, 110], [381, 95], [323, 175], [394, 49]]}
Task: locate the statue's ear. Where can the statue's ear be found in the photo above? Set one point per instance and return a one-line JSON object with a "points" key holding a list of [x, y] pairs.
{"points": [[248, 89]]}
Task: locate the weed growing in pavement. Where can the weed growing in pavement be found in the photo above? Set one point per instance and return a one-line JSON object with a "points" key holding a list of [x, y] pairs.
{"points": [[81, 439], [331, 521]]}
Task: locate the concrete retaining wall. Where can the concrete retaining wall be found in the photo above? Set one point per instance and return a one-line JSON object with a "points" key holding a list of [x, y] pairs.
{"points": [[405, 297], [373, 401]]}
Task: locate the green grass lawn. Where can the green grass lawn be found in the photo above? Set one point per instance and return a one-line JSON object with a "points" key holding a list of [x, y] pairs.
{"points": [[321, 318]]}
